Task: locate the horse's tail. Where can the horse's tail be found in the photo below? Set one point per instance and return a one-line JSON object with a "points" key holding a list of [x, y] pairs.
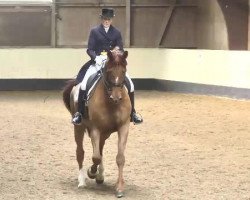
{"points": [[66, 92]]}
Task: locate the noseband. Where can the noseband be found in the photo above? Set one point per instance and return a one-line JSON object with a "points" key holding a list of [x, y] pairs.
{"points": [[109, 85]]}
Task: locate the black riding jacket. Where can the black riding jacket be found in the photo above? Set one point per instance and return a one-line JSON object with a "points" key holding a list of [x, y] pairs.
{"points": [[100, 41]]}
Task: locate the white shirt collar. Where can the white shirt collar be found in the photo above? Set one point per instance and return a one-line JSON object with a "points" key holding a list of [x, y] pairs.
{"points": [[106, 29]]}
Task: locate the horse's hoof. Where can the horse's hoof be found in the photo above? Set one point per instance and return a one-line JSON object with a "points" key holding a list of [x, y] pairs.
{"points": [[99, 178], [98, 181], [81, 185], [90, 175], [119, 194]]}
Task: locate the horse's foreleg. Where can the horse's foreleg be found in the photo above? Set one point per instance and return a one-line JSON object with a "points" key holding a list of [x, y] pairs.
{"points": [[100, 177], [96, 158], [120, 158], [78, 131]]}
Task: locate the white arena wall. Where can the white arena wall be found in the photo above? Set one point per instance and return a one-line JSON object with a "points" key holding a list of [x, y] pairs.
{"points": [[216, 72]]}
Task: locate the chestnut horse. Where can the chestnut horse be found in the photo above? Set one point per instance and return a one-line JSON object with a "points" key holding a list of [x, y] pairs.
{"points": [[109, 111]]}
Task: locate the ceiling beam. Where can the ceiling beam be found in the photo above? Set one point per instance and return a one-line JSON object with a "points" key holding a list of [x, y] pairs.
{"points": [[128, 23], [165, 24]]}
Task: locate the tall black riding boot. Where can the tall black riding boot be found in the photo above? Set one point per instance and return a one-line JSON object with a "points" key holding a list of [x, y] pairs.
{"points": [[78, 116], [134, 117]]}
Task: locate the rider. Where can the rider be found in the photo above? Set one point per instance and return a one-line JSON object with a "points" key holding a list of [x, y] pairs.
{"points": [[102, 38]]}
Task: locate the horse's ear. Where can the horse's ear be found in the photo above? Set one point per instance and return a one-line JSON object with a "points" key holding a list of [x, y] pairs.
{"points": [[125, 54], [110, 55]]}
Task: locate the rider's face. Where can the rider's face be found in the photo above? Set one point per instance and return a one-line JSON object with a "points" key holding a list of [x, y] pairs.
{"points": [[106, 22]]}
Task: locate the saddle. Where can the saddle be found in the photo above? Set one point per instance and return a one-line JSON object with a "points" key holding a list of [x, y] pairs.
{"points": [[91, 84]]}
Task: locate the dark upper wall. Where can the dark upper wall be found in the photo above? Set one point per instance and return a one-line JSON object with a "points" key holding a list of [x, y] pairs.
{"points": [[236, 17], [205, 24], [222, 24]]}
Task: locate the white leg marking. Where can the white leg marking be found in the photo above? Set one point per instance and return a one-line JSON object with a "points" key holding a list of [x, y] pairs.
{"points": [[116, 80], [82, 178]]}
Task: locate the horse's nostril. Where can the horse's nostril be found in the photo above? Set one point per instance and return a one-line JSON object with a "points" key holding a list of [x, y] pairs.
{"points": [[111, 97]]}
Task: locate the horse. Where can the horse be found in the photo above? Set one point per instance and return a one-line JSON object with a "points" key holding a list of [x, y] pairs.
{"points": [[109, 111]]}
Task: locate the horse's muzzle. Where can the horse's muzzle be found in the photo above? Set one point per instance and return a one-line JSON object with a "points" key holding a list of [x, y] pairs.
{"points": [[115, 99]]}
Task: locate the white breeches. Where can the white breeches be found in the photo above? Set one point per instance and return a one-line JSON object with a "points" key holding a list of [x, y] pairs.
{"points": [[94, 69]]}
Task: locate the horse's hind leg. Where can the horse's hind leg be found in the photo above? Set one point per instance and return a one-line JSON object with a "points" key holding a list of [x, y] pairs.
{"points": [[78, 131]]}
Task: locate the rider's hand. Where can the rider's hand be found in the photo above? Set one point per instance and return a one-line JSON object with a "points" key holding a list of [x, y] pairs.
{"points": [[115, 49], [98, 60]]}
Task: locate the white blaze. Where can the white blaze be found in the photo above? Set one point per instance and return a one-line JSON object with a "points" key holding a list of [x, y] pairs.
{"points": [[116, 80]]}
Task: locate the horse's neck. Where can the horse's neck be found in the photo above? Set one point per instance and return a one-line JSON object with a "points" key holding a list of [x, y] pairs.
{"points": [[101, 90]]}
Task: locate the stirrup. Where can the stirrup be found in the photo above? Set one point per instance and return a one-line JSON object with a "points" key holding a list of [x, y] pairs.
{"points": [[136, 118], [77, 118]]}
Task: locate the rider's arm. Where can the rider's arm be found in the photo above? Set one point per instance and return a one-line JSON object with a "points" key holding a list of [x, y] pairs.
{"points": [[91, 45], [119, 42]]}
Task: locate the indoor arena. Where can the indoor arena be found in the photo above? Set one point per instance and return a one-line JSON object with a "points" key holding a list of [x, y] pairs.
{"points": [[189, 63]]}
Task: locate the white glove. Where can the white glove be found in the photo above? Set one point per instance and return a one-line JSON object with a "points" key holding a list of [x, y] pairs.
{"points": [[98, 60], [115, 49]]}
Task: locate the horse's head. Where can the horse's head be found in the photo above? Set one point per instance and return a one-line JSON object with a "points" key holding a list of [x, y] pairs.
{"points": [[114, 74]]}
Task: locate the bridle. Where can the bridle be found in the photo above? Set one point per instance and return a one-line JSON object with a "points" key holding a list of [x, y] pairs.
{"points": [[109, 85]]}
